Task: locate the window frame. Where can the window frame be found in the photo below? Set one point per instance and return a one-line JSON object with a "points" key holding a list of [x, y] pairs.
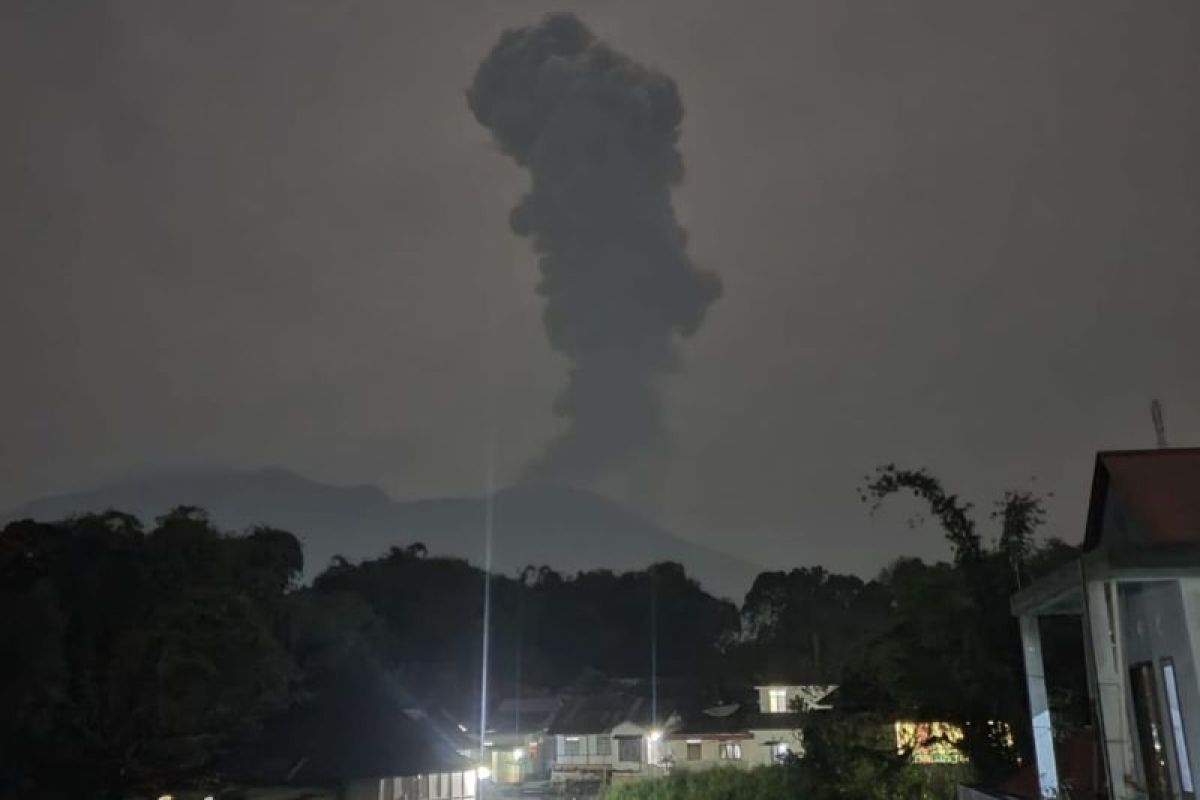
{"points": [[1174, 724], [729, 750], [1149, 730], [626, 745]]}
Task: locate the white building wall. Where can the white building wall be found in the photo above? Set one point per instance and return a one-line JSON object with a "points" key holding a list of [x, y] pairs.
{"points": [[587, 756], [710, 754], [760, 749], [1188, 675], [1161, 620], [794, 697], [765, 744], [626, 730]]}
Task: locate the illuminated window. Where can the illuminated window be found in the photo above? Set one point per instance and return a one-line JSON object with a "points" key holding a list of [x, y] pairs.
{"points": [[603, 745], [729, 751], [571, 746], [694, 750], [930, 742], [777, 701], [1181, 748]]}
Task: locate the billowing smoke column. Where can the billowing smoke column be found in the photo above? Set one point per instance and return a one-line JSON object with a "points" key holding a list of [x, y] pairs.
{"points": [[598, 134]]}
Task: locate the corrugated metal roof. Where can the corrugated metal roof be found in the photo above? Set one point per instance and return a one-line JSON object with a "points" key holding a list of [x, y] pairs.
{"points": [[602, 712], [524, 715], [360, 730], [747, 718], [1160, 489]]}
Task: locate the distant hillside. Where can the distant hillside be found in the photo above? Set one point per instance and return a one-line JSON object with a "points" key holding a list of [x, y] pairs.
{"points": [[568, 529]]}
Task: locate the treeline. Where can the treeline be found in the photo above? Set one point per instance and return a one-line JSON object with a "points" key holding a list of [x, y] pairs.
{"points": [[137, 656]]}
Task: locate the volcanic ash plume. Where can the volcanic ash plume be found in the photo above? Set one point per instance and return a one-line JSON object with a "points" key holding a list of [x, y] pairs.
{"points": [[598, 134]]}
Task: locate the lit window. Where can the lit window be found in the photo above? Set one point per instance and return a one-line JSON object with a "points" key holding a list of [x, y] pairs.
{"points": [[777, 701], [729, 751], [1181, 748], [930, 742], [571, 746]]}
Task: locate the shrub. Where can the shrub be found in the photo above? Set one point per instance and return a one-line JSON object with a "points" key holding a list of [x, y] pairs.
{"points": [[725, 783]]}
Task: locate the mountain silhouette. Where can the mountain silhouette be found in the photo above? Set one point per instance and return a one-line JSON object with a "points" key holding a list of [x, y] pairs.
{"points": [[565, 528]]}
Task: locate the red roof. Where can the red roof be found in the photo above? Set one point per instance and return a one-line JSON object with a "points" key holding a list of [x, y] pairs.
{"points": [[1160, 488]]}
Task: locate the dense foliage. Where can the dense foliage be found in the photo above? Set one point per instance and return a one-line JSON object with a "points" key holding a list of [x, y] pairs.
{"points": [[546, 629], [730, 783], [139, 657], [807, 622], [861, 778], [953, 650], [133, 656]]}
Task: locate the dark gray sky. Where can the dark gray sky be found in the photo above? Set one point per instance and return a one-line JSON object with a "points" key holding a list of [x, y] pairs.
{"points": [[959, 235]]}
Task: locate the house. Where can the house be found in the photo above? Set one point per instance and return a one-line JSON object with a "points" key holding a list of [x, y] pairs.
{"points": [[782, 698], [743, 734], [734, 736], [1136, 591], [515, 743], [609, 736], [358, 742]]}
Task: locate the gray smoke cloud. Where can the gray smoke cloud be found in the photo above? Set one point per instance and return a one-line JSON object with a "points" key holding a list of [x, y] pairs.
{"points": [[599, 135]]}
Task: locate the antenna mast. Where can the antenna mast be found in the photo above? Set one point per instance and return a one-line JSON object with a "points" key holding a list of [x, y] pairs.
{"points": [[1160, 431]]}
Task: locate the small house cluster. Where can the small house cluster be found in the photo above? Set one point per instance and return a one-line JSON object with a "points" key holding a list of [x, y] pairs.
{"points": [[613, 734]]}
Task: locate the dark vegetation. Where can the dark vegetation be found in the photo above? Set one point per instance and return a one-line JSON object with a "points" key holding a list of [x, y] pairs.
{"points": [[135, 658]]}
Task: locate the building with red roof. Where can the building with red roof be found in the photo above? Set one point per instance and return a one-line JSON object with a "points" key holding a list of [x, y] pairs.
{"points": [[1136, 590]]}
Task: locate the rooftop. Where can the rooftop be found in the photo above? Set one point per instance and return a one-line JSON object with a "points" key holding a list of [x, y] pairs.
{"points": [[355, 731], [1158, 490], [599, 713]]}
